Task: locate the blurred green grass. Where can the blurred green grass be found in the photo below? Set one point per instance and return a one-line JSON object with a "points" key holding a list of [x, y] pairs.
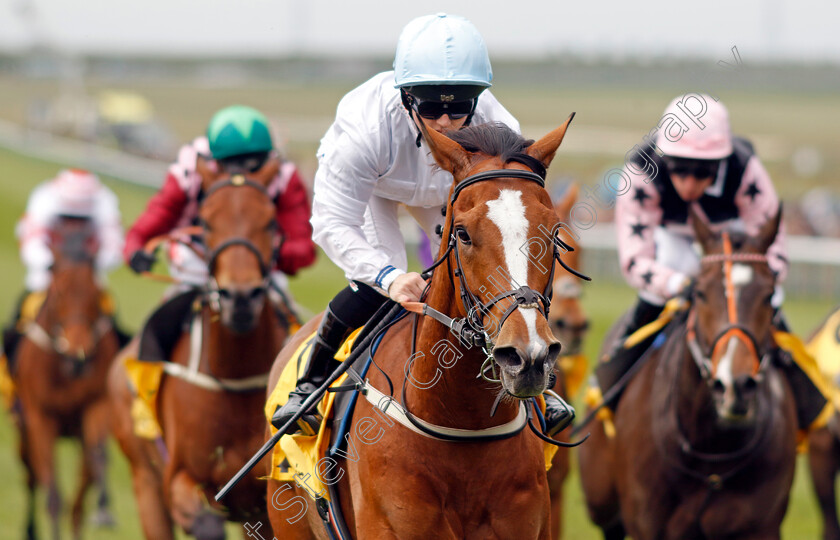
{"points": [[189, 109]]}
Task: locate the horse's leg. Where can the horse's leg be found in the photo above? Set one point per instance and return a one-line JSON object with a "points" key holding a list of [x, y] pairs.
{"points": [[556, 476], [615, 531], [145, 475], [595, 462], [191, 511], [31, 481], [824, 459], [95, 436], [85, 480], [287, 511], [42, 433]]}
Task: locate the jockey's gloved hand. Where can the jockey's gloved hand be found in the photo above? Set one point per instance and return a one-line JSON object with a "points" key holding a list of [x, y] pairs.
{"points": [[141, 261], [686, 289]]}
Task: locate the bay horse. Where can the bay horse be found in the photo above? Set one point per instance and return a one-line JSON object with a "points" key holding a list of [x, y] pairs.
{"points": [[210, 397], [440, 482], [824, 443], [705, 431], [570, 324], [61, 364]]}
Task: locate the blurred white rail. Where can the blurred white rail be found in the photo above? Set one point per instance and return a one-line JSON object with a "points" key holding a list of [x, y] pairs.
{"points": [[815, 262]]}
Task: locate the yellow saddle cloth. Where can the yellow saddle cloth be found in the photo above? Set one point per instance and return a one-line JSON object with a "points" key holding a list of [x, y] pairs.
{"points": [[825, 348], [144, 379], [297, 457], [574, 367]]}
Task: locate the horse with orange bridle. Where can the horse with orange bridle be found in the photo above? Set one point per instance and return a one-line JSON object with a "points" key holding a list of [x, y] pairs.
{"points": [[570, 324], [704, 443], [61, 364], [462, 463], [211, 392]]}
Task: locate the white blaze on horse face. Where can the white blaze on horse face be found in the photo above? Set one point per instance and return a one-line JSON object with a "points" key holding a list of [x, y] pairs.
{"points": [[508, 214], [742, 274]]}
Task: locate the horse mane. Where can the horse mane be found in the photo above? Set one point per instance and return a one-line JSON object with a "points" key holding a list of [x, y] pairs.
{"points": [[497, 139]]}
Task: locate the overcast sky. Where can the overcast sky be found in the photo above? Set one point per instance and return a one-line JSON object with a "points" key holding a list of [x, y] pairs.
{"points": [[797, 30]]}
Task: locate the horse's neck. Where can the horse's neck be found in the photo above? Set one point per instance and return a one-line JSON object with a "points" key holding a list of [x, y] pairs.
{"points": [[458, 398], [232, 355]]}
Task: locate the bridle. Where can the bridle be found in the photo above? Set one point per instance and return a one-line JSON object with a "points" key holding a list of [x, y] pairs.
{"points": [[471, 330], [734, 329], [57, 343], [211, 257]]}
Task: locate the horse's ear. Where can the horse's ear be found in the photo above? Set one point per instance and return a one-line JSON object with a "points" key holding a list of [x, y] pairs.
{"points": [[450, 155], [268, 171], [208, 170], [544, 149], [705, 236], [563, 207], [767, 233]]}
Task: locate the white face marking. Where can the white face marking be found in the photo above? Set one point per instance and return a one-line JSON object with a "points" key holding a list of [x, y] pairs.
{"points": [[741, 274], [724, 373], [508, 214]]}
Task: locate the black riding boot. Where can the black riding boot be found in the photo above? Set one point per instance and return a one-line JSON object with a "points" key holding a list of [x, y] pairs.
{"points": [[11, 334], [331, 333], [558, 414]]}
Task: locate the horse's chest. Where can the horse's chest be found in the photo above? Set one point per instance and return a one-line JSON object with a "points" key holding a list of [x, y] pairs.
{"points": [[455, 492]]}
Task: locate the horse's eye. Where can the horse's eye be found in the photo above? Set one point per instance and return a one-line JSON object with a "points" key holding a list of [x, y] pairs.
{"points": [[700, 295], [462, 235]]}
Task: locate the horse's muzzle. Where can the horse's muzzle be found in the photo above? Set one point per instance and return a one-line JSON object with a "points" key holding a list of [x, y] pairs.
{"points": [[240, 310], [525, 373], [735, 402]]}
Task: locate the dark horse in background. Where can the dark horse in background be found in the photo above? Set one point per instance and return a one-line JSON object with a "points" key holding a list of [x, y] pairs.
{"points": [[569, 322], [212, 393], [706, 430], [62, 363]]}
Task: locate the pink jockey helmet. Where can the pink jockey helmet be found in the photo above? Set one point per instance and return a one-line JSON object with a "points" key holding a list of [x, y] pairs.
{"points": [[76, 190], [695, 126]]}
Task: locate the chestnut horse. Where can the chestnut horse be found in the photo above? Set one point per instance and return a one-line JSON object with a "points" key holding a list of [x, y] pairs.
{"points": [[440, 482], [211, 396], [570, 323], [705, 431], [61, 368], [824, 446]]}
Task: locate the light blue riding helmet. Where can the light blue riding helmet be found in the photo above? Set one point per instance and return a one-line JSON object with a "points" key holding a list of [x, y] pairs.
{"points": [[442, 49]]}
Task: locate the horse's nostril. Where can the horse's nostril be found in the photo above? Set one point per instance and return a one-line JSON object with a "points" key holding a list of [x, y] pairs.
{"points": [[748, 384], [257, 292], [718, 386], [508, 357], [553, 352]]}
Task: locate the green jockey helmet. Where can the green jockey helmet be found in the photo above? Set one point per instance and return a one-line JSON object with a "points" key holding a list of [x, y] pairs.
{"points": [[238, 130]]}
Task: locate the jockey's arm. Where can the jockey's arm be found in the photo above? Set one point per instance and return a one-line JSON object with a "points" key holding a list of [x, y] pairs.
{"points": [[107, 219], [160, 216], [344, 185], [757, 202], [637, 216], [33, 232], [293, 214]]}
